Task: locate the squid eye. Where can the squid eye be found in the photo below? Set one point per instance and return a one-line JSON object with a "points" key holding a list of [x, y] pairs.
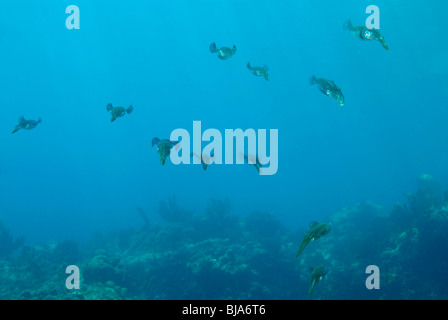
{"points": [[329, 93], [367, 34]]}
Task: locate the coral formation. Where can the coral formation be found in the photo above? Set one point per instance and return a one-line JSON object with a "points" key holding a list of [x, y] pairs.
{"points": [[222, 255]]}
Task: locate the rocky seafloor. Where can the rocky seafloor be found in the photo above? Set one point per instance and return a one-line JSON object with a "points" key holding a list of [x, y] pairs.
{"points": [[223, 255]]}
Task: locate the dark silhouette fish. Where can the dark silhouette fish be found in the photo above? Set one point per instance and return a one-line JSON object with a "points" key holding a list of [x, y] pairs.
{"points": [[259, 71], [224, 53], [328, 88], [118, 112], [317, 274], [364, 33], [315, 231], [26, 124], [164, 147]]}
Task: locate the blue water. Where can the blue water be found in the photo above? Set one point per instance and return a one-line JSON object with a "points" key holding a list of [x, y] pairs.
{"points": [[77, 172]]}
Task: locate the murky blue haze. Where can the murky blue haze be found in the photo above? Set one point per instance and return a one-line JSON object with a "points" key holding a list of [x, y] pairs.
{"points": [[77, 173]]}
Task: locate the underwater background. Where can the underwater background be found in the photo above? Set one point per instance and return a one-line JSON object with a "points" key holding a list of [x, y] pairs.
{"points": [[81, 190]]}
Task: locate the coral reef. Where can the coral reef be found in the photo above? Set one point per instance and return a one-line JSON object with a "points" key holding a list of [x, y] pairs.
{"points": [[223, 255]]}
